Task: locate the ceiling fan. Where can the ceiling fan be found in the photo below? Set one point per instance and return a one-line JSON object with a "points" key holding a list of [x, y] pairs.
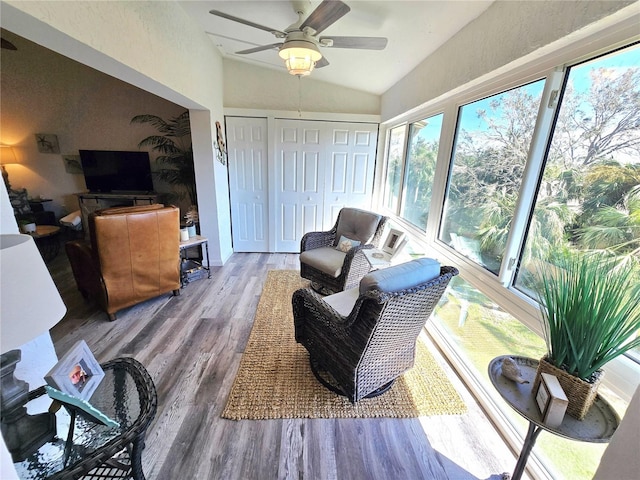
{"points": [[300, 46]]}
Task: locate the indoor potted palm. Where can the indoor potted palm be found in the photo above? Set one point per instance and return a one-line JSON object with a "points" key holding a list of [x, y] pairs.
{"points": [[590, 314]]}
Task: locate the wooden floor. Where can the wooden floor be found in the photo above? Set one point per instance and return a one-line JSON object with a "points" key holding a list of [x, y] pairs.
{"points": [[192, 344]]}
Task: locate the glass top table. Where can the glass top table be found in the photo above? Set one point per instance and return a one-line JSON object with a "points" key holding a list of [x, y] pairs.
{"points": [[127, 395]]}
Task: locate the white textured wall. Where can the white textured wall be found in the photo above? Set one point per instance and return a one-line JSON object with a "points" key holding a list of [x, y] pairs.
{"points": [[154, 46], [248, 86], [503, 34], [620, 460]]}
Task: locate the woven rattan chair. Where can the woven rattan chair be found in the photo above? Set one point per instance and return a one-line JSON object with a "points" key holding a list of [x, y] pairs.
{"points": [[333, 270], [360, 340]]}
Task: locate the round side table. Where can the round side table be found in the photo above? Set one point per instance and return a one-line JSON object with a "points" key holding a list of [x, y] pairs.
{"points": [[127, 395], [598, 426], [46, 239]]}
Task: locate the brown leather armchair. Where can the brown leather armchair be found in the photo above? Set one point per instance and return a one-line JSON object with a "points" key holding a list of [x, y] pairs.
{"points": [[134, 255]]}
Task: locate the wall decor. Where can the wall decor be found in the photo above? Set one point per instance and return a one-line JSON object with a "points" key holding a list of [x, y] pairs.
{"points": [[47, 143], [72, 164], [221, 148]]}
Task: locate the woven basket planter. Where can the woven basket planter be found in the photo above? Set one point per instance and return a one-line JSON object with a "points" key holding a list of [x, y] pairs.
{"points": [[581, 394]]}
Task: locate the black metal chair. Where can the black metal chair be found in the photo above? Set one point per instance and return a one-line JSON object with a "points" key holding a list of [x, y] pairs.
{"points": [[333, 265], [360, 340]]}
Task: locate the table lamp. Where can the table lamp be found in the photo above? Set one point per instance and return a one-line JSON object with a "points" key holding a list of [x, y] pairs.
{"points": [[23, 317], [7, 157]]}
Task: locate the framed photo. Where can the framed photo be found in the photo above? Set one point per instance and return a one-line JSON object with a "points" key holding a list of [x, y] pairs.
{"points": [[77, 373], [551, 400], [393, 241]]}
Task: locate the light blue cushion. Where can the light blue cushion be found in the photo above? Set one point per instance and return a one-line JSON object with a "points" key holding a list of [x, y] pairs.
{"points": [[345, 244], [401, 277]]}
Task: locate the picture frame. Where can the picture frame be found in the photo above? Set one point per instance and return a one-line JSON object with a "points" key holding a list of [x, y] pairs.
{"points": [[47, 143], [77, 373], [393, 242], [551, 400]]}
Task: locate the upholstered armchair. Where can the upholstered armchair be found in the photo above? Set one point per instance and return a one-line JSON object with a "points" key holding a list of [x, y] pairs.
{"points": [[335, 260], [365, 337], [134, 255]]}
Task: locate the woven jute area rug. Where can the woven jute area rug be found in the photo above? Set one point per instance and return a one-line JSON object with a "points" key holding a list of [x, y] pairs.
{"points": [[275, 380]]}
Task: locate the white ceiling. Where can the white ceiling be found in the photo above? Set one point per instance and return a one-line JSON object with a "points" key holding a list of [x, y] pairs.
{"points": [[415, 29]]}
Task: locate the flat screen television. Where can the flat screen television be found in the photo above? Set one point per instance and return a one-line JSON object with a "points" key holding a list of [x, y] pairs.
{"points": [[115, 171]]}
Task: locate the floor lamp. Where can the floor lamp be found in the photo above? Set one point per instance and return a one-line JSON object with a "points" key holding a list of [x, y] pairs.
{"points": [[29, 306]]}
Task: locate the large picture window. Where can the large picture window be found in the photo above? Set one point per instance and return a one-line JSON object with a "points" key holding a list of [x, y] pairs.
{"points": [[493, 138], [549, 165]]}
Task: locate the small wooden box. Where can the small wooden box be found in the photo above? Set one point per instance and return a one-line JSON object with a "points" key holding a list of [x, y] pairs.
{"points": [[551, 400]]}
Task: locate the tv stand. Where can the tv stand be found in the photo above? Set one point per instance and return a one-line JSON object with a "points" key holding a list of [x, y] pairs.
{"points": [[90, 202]]}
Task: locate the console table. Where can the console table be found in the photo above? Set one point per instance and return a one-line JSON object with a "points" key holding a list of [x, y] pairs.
{"points": [[598, 426], [90, 202], [126, 394]]}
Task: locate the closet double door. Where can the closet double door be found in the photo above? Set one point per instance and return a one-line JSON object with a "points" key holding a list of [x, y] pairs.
{"points": [[295, 178]]}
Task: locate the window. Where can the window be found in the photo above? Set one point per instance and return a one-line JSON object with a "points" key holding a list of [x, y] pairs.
{"points": [[410, 175], [394, 167], [589, 194], [550, 164], [422, 156], [491, 148]]}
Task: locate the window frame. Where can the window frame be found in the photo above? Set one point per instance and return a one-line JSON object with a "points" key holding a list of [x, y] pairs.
{"points": [[623, 374]]}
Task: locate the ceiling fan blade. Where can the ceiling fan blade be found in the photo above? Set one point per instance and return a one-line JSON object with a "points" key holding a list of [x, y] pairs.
{"points": [[323, 62], [367, 43], [8, 45], [275, 31], [328, 12], [260, 49]]}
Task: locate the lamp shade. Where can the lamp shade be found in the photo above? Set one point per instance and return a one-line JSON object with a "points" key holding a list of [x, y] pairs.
{"points": [[300, 56], [7, 155], [29, 300]]}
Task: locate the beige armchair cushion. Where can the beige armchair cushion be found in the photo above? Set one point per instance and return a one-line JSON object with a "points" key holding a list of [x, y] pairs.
{"points": [[358, 224], [326, 259]]}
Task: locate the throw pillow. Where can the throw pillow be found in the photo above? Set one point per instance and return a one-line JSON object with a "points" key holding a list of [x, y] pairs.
{"points": [[345, 244]]}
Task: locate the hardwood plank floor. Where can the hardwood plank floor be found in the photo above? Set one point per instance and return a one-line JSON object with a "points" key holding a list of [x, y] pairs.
{"points": [[192, 345]]}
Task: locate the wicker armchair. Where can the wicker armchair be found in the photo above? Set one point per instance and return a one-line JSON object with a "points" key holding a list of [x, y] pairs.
{"points": [[333, 270], [365, 338]]}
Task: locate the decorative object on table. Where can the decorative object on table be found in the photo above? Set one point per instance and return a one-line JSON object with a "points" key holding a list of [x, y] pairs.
{"points": [[27, 226], [598, 426], [47, 143], [590, 311], [551, 400], [22, 272], [72, 164], [221, 148], [72, 402], [184, 234], [394, 243], [77, 373], [191, 218], [175, 159], [511, 370]]}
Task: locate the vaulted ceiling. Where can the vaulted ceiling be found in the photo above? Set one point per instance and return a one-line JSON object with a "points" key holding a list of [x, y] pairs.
{"points": [[414, 29]]}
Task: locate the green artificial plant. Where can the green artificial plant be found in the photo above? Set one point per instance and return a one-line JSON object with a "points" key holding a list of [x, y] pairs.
{"points": [[176, 152], [590, 309]]}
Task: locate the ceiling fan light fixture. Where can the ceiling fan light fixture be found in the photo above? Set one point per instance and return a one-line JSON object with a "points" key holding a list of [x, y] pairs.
{"points": [[300, 56]]}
